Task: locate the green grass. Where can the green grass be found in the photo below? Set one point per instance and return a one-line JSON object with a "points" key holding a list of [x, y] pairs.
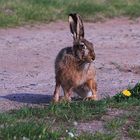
{"points": [[55, 121], [28, 130], [20, 12], [50, 122], [96, 136], [115, 124], [134, 130]]}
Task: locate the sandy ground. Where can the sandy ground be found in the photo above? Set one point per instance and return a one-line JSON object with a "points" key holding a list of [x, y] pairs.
{"points": [[27, 59]]}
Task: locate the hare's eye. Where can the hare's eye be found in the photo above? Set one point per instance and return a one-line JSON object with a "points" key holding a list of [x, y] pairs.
{"points": [[81, 46], [84, 47]]}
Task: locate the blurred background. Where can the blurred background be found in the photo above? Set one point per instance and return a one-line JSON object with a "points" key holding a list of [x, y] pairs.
{"points": [[20, 12]]}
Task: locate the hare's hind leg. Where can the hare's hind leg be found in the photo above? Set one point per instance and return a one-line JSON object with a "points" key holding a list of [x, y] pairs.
{"points": [[56, 92], [93, 87]]}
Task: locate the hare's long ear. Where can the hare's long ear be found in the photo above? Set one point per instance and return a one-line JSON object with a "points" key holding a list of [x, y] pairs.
{"points": [[76, 26]]}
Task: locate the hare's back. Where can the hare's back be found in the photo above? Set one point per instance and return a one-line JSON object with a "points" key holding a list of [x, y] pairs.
{"points": [[63, 58]]}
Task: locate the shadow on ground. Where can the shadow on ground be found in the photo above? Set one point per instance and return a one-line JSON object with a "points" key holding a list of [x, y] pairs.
{"points": [[28, 98]]}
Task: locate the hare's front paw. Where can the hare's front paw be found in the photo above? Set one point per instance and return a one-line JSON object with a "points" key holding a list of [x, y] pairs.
{"points": [[61, 99], [55, 99], [65, 99], [94, 97]]}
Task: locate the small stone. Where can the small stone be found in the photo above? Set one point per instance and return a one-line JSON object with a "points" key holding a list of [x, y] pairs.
{"points": [[75, 123]]}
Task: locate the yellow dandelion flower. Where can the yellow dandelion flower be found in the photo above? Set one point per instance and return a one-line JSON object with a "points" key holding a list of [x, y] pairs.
{"points": [[126, 93]]}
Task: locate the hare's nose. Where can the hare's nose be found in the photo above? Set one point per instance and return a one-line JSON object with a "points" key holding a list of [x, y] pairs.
{"points": [[93, 58]]}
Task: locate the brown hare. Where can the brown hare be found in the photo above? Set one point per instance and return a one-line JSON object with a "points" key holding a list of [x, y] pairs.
{"points": [[74, 70]]}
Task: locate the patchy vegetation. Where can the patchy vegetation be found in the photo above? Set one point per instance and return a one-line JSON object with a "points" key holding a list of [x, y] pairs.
{"points": [[60, 121], [19, 12]]}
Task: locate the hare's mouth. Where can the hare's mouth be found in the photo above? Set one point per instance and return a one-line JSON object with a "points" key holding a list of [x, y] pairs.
{"points": [[91, 59], [88, 60]]}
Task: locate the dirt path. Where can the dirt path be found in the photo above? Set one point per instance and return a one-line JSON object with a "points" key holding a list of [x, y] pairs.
{"points": [[27, 58]]}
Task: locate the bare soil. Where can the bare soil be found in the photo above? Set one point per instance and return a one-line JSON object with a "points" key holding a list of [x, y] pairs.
{"points": [[27, 57]]}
